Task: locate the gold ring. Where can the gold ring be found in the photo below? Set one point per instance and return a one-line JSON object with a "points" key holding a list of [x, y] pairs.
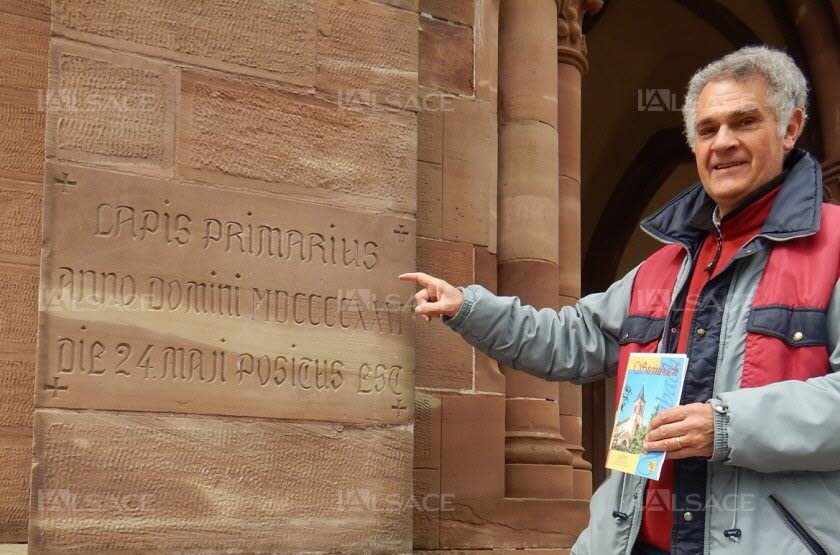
{"points": [[679, 445]]}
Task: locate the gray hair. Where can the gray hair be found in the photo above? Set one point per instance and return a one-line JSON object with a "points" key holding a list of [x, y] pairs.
{"points": [[788, 88]]}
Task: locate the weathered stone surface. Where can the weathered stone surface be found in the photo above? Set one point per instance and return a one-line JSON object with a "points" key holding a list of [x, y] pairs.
{"points": [[412, 5], [17, 384], [426, 430], [14, 483], [254, 37], [458, 11], [488, 376], [187, 485], [35, 9], [23, 51], [446, 56], [427, 507], [429, 200], [487, 51], [297, 145], [20, 221], [512, 523], [430, 127], [19, 299], [470, 155], [110, 108], [367, 49], [181, 298], [443, 359], [473, 446], [22, 139]]}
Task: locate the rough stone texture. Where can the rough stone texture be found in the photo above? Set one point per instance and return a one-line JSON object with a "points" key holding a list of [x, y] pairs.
{"points": [[255, 37], [456, 11], [427, 506], [470, 154], [19, 299], [170, 484], [429, 200], [110, 108], [23, 49], [472, 446], [427, 430], [14, 483], [446, 56], [297, 145], [367, 50], [488, 376], [17, 382], [22, 139], [35, 9], [443, 360], [20, 221], [430, 129]]}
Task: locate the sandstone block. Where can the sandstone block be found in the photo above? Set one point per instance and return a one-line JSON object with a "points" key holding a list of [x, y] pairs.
{"points": [[253, 37], [446, 56], [443, 359], [23, 52], [16, 444], [297, 145], [457, 11], [109, 108], [429, 200], [426, 430], [470, 157], [19, 299], [22, 140], [128, 483], [367, 49]]}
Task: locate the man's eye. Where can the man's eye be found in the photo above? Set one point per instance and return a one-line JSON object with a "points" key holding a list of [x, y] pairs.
{"points": [[706, 131], [747, 121]]}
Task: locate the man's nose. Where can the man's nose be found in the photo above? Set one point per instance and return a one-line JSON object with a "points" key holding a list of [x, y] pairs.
{"points": [[724, 139]]}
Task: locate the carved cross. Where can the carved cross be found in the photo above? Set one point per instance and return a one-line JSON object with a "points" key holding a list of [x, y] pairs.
{"points": [[66, 182], [401, 232], [399, 407], [55, 388]]}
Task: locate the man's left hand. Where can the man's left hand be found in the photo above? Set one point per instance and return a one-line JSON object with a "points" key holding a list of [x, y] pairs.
{"points": [[683, 431]]}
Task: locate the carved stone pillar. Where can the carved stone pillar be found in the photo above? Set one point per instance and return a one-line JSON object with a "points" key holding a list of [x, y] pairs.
{"points": [[536, 463], [814, 21], [571, 64]]}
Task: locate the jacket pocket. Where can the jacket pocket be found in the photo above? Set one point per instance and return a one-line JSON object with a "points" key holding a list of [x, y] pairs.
{"points": [[797, 327], [793, 523], [640, 329]]}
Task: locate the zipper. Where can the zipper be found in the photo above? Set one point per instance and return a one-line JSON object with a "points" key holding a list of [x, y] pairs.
{"points": [[810, 542]]}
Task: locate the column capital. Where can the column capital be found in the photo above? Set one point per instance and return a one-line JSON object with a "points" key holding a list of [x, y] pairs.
{"points": [[571, 44]]}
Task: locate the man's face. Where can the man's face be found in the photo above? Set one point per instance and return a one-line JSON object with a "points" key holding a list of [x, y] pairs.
{"points": [[738, 147]]}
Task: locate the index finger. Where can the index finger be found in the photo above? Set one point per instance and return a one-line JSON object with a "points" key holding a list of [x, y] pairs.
{"points": [[423, 279]]}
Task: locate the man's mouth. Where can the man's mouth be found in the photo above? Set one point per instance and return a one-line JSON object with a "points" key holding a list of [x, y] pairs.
{"points": [[728, 165]]}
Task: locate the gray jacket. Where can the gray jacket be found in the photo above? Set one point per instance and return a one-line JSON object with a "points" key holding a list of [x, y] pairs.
{"points": [[775, 473]]}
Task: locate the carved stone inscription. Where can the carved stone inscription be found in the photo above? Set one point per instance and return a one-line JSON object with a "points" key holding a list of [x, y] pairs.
{"points": [[160, 296]]}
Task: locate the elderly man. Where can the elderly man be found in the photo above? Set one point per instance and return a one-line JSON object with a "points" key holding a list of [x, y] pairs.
{"points": [[749, 273]]}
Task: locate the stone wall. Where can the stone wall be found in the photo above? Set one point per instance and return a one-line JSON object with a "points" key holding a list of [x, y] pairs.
{"points": [[23, 80]]}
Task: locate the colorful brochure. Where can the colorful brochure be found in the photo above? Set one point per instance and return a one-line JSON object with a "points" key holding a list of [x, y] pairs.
{"points": [[653, 383]]}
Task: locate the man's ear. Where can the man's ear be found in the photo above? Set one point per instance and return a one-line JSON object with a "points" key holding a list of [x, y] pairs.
{"points": [[794, 128]]}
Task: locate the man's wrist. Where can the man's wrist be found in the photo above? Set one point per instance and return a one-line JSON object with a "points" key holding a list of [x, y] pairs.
{"points": [[721, 448], [466, 306]]}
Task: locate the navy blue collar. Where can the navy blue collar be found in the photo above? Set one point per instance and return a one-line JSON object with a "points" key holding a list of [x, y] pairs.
{"points": [[795, 212]]}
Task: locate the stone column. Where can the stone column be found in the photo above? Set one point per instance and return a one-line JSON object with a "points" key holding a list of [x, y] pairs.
{"points": [[536, 463], [571, 65], [814, 23]]}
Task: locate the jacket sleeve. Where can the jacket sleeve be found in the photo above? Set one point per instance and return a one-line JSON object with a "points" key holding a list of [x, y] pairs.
{"points": [[790, 425], [578, 343]]}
